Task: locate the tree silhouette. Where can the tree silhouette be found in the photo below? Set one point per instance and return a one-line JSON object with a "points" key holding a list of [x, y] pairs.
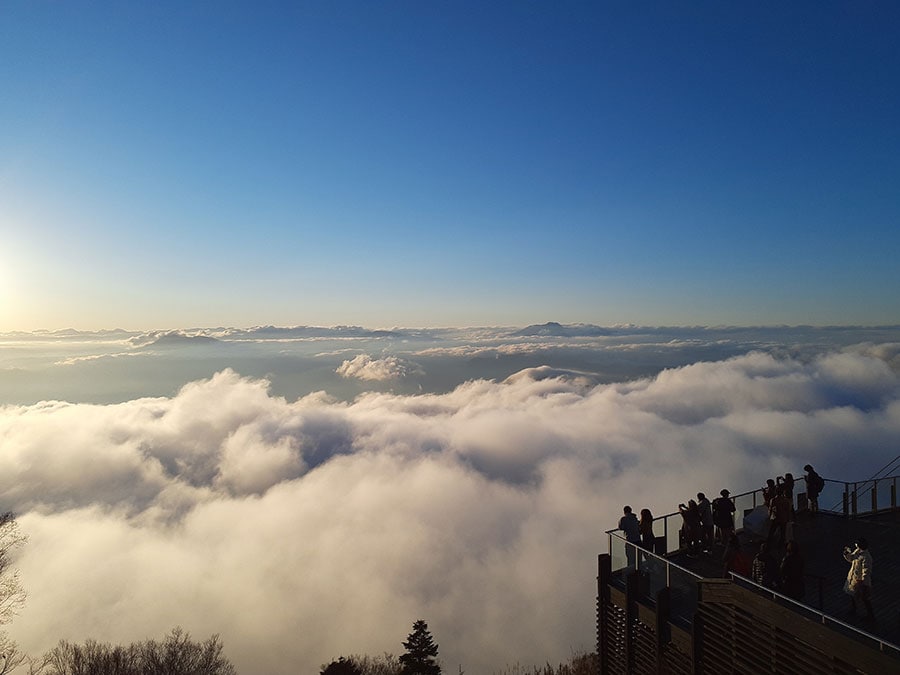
{"points": [[341, 667], [421, 652], [177, 654], [12, 597]]}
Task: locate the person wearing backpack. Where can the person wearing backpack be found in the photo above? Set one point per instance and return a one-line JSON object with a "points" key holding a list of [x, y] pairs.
{"points": [[814, 485]]}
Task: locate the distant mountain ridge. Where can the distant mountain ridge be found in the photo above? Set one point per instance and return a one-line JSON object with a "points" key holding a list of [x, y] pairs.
{"points": [[554, 329], [173, 339]]}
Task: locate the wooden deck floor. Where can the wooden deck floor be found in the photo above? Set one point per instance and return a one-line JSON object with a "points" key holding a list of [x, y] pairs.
{"points": [[821, 539]]}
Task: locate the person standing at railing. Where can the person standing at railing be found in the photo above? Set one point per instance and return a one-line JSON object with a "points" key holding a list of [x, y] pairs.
{"points": [[859, 578], [691, 527], [787, 485], [779, 516], [723, 517], [707, 535], [768, 492], [630, 527], [645, 525], [814, 485]]}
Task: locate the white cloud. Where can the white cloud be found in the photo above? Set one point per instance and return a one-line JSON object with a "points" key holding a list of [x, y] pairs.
{"points": [[364, 367], [303, 530]]}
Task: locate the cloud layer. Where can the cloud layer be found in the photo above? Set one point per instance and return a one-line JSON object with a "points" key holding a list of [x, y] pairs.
{"points": [[302, 530]]}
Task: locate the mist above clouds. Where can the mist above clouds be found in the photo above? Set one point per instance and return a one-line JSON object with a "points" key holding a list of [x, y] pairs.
{"points": [[304, 529], [90, 367]]}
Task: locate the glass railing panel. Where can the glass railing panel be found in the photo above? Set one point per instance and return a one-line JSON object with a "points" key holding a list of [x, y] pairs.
{"points": [[673, 530], [743, 504], [883, 488], [864, 491], [682, 593], [832, 496], [654, 571], [632, 556], [617, 555]]}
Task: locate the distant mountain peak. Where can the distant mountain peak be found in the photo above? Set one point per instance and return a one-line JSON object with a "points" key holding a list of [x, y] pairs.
{"points": [[555, 329]]}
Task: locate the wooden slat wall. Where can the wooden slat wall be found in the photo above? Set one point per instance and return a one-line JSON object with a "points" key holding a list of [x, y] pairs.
{"points": [[734, 631], [677, 653], [743, 632]]}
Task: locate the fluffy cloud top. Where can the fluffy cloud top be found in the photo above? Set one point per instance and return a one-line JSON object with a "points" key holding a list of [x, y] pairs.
{"points": [[364, 367], [302, 530]]}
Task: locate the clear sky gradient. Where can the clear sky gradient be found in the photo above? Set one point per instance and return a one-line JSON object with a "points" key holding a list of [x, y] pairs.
{"points": [[177, 164]]}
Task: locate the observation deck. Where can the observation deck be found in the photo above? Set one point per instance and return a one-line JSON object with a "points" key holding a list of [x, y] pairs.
{"points": [[666, 611]]}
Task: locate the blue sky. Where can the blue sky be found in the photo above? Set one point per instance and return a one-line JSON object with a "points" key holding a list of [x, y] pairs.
{"points": [[409, 163]]}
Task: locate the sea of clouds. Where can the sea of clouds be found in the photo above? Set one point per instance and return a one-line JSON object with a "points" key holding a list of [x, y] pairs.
{"points": [[304, 528]]}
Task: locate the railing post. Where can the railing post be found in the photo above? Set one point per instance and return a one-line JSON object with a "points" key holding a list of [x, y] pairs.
{"points": [[875, 496], [631, 596], [853, 501], [663, 634], [666, 534], [846, 502], [604, 573]]}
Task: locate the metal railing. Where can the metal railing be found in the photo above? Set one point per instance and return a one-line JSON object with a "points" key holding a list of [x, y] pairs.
{"points": [[850, 499], [659, 573], [855, 498], [817, 615], [668, 527], [860, 497]]}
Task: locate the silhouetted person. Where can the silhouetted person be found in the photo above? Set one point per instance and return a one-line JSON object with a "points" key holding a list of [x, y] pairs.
{"points": [[723, 516], [691, 528], [859, 578], [706, 521], [764, 569], [648, 539], [769, 492], [631, 529], [791, 572], [779, 515], [787, 484], [814, 486], [734, 559]]}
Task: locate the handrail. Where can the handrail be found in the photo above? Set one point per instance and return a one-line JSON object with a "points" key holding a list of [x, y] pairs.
{"points": [[885, 468], [758, 491], [651, 554], [854, 491], [678, 513], [876, 477], [665, 518], [824, 618]]}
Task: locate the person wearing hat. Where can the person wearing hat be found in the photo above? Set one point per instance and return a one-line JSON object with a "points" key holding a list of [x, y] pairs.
{"points": [[859, 578], [723, 517]]}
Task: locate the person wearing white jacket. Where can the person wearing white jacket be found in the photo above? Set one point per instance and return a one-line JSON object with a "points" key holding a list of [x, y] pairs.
{"points": [[859, 578]]}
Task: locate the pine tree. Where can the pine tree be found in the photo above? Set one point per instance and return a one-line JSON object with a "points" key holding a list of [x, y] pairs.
{"points": [[421, 652]]}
